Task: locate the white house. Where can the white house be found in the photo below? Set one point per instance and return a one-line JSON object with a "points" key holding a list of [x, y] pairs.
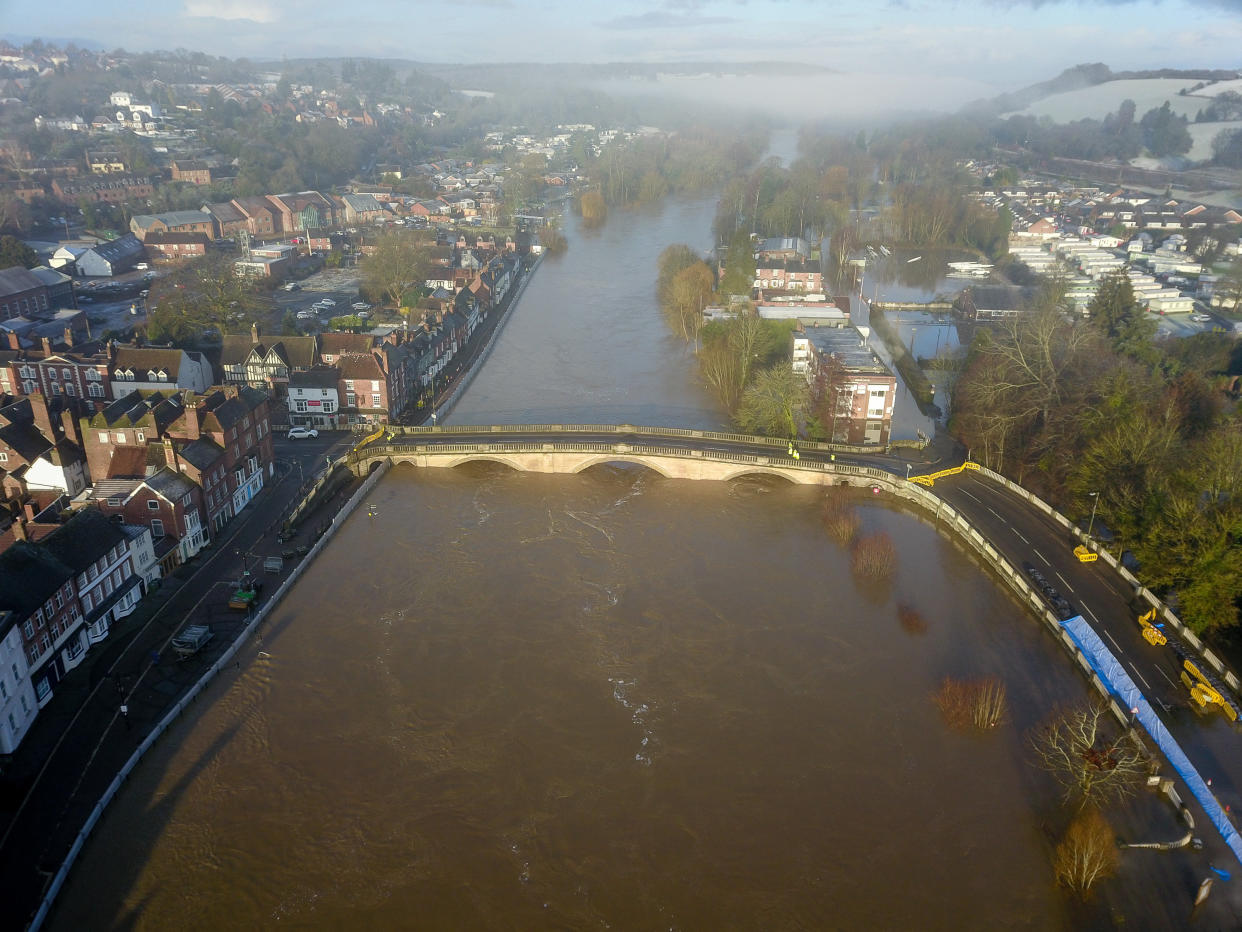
{"points": [[18, 705]]}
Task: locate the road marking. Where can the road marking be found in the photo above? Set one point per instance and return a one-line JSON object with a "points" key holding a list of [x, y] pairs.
{"points": [[1140, 676], [1092, 614], [995, 512], [1042, 557], [1114, 640], [975, 497], [1167, 677], [1067, 585], [1021, 538]]}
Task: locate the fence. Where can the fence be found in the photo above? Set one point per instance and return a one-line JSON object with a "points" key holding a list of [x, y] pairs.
{"points": [[191, 694]]}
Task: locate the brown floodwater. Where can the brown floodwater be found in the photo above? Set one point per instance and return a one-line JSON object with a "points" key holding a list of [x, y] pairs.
{"points": [[610, 700]]}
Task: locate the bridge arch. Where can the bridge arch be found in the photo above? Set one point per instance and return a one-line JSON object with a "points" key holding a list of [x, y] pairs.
{"points": [[743, 472], [634, 460]]}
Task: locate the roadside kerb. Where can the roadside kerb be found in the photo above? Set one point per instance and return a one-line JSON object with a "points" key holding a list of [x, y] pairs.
{"points": [[192, 693]]}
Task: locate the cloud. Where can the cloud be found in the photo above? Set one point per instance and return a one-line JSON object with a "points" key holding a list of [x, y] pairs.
{"points": [[253, 10], [661, 19]]}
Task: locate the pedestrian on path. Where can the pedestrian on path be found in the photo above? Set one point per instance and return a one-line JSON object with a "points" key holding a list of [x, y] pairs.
{"points": [[125, 715]]}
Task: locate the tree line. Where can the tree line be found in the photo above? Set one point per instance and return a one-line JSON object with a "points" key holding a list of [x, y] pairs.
{"points": [[1097, 416]]}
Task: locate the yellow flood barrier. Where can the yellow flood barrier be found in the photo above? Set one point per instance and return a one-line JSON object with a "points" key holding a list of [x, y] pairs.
{"points": [[930, 479]]}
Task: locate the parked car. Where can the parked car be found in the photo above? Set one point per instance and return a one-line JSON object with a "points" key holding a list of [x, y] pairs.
{"points": [[142, 266], [291, 286], [302, 433], [327, 302], [1201, 318]]}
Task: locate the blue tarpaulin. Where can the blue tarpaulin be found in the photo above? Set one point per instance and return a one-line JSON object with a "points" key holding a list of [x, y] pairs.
{"points": [[1118, 681]]}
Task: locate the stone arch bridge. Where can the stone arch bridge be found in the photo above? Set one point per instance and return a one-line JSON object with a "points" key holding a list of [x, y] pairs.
{"points": [[671, 452]]}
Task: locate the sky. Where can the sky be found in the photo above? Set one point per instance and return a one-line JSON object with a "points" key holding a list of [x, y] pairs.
{"points": [[997, 44]]}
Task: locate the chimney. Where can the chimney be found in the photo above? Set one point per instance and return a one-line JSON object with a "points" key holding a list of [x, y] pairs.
{"points": [[28, 512], [19, 529], [170, 454], [192, 429], [13, 341], [47, 346], [69, 337], [43, 417], [70, 425], [254, 332]]}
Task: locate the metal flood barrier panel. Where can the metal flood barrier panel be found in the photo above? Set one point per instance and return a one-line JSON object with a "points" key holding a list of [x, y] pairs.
{"points": [[1110, 670]]}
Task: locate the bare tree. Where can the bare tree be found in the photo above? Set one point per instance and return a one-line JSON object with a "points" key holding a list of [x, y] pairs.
{"points": [[400, 260], [1088, 757], [1087, 853]]}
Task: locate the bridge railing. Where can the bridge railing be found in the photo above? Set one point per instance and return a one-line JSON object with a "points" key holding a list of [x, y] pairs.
{"points": [[629, 430]]}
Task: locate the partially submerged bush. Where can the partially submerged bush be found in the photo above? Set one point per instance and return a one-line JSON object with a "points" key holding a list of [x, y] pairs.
{"points": [[841, 521], [1087, 853], [967, 704], [912, 620], [874, 558]]}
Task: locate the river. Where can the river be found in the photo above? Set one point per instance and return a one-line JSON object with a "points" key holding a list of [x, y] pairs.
{"points": [[609, 700]]}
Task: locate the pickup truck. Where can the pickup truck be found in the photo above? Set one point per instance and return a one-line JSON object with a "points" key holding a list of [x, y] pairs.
{"points": [[245, 596]]}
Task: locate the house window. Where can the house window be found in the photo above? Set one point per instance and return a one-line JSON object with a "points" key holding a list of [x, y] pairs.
{"points": [[28, 628], [120, 437], [68, 374], [45, 643], [103, 437], [153, 504], [157, 528], [4, 690], [51, 373], [12, 723], [299, 406], [4, 456], [42, 689], [55, 388], [25, 707], [95, 390], [28, 387], [26, 372], [92, 375], [70, 389]]}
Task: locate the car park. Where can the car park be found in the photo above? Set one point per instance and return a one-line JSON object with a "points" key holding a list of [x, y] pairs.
{"points": [[302, 433]]}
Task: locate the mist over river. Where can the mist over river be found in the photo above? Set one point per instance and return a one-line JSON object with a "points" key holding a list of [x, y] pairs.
{"points": [[606, 700]]}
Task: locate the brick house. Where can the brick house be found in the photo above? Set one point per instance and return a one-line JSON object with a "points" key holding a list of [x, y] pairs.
{"points": [[40, 448], [861, 389], [261, 218], [789, 275], [21, 292], [195, 171], [107, 189], [81, 372], [314, 398], [174, 221], [229, 220], [174, 246], [167, 502]]}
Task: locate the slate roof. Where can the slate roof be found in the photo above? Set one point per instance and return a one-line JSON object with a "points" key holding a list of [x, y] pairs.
{"points": [[334, 344], [123, 247], [318, 377], [17, 279], [29, 575], [202, 453], [360, 366], [143, 359], [84, 538]]}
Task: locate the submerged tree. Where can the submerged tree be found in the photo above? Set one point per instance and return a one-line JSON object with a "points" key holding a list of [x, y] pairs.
{"points": [[1092, 760]]}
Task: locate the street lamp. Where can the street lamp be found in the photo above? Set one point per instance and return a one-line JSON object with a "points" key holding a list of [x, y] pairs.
{"points": [[1096, 501]]}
